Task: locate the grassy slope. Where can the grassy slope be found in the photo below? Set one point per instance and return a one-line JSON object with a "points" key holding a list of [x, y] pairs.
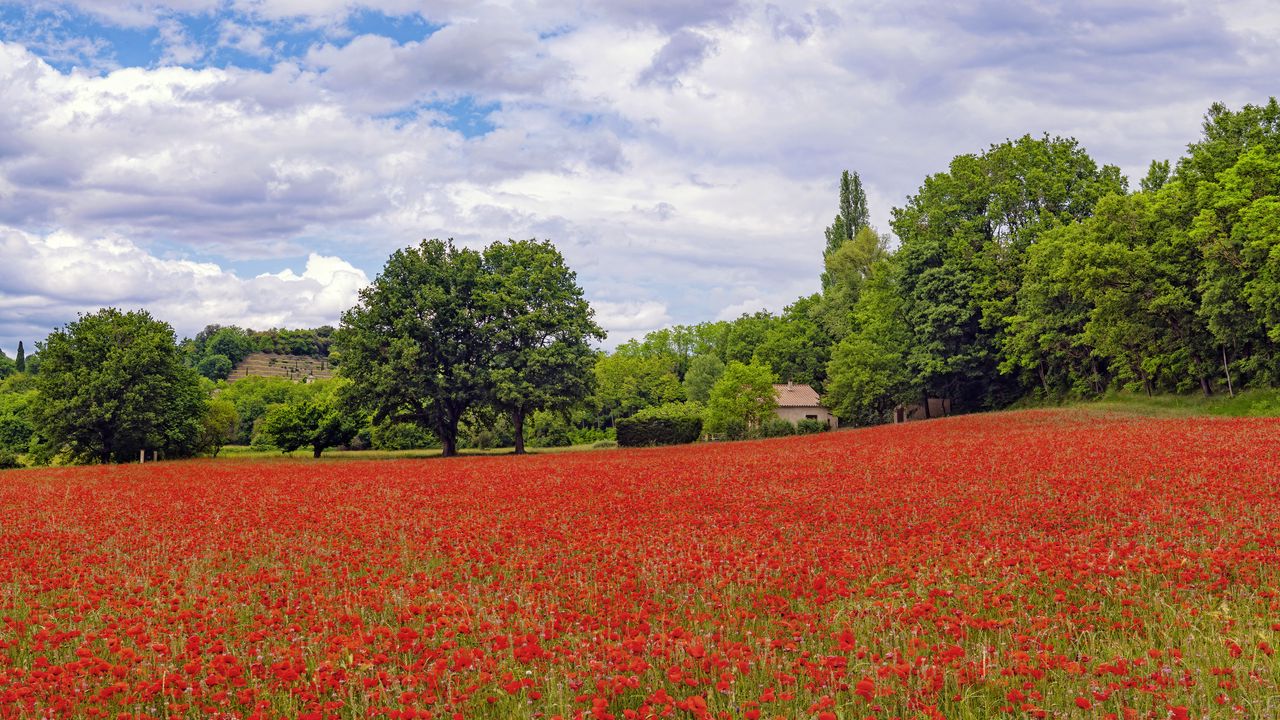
{"points": [[1250, 403]]}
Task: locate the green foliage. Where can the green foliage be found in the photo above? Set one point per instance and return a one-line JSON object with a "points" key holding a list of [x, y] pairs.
{"points": [[592, 436], [703, 372], [745, 334], [112, 383], [626, 384], [252, 397], [218, 426], [549, 429], [672, 411], [316, 418], [796, 346], [7, 366], [777, 427], [413, 346], [846, 270], [677, 425], [215, 367], [20, 362], [964, 237], [852, 219], [538, 328], [741, 400], [401, 436], [809, 427]]}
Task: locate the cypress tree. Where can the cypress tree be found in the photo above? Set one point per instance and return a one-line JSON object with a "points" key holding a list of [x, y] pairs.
{"points": [[22, 358], [852, 218]]}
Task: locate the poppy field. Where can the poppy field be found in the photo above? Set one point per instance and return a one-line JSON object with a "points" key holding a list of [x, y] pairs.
{"points": [[1044, 564]]}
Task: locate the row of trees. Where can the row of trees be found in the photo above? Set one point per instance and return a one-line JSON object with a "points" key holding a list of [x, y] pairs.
{"points": [[1025, 270], [1028, 270], [445, 334], [217, 349]]}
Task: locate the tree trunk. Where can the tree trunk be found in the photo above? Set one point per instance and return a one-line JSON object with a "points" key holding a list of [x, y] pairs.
{"points": [[316, 450], [449, 436], [1227, 369], [926, 404], [1044, 383], [1205, 387], [517, 419]]}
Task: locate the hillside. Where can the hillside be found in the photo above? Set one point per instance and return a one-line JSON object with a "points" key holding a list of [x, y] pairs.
{"points": [[290, 367]]}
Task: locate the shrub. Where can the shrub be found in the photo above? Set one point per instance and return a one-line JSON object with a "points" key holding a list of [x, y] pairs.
{"points": [[604, 444], [808, 427], [670, 424], [9, 460], [587, 436], [777, 427], [401, 436]]}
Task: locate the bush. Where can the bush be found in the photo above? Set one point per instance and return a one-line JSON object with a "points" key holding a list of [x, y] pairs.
{"points": [[215, 367], [637, 431], [777, 427], [604, 444], [588, 436], [401, 436], [808, 427], [8, 460], [546, 429]]}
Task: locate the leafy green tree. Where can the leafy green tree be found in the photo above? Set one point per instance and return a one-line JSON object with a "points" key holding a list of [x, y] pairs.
{"points": [[1046, 337], [741, 400], [745, 334], [704, 371], [964, 237], [1157, 176], [315, 418], [21, 361], [538, 327], [252, 397], [845, 271], [413, 346], [230, 342], [218, 426], [112, 383], [797, 345], [867, 374], [215, 367], [625, 384], [7, 366], [852, 218]]}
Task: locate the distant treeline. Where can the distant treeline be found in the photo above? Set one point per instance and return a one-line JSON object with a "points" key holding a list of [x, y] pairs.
{"points": [[1026, 271], [217, 349]]}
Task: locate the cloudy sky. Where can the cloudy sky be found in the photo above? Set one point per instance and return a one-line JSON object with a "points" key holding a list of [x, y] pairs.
{"points": [[255, 161]]}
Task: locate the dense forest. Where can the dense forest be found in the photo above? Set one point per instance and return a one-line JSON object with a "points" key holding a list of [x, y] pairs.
{"points": [[1025, 273]]}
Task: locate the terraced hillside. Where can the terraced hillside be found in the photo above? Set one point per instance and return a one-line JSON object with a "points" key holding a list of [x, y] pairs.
{"points": [[290, 367]]}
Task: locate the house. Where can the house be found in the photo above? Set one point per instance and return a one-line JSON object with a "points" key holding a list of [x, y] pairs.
{"points": [[938, 407], [801, 402]]}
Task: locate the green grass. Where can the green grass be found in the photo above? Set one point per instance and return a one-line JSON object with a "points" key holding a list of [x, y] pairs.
{"points": [[244, 452], [1249, 403]]}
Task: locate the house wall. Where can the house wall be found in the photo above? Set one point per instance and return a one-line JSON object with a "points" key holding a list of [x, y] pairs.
{"points": [[796, 414], [938, 407]]}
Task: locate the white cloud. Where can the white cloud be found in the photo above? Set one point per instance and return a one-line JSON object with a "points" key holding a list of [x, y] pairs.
{"points": [[702, 191], [47, 279]]}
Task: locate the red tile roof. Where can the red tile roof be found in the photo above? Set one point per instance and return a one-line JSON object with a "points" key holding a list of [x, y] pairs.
{"points": [[796, 395]]}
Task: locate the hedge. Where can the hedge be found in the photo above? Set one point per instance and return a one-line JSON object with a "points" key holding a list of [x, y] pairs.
{"points": [[637, 432]]}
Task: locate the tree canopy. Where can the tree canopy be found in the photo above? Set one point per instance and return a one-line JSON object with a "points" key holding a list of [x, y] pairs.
{"points": [[538, 328], [111, 384]]}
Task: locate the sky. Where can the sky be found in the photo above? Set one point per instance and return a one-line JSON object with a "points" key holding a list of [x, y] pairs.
{"points": [[255, 162]]}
